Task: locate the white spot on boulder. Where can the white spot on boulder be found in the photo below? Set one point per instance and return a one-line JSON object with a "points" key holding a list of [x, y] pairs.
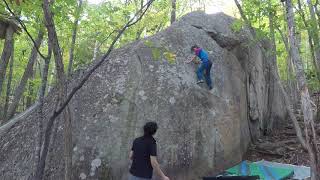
{"points": [[143, 97], [83, 176], [99, 75], [97, 103], [94, 165], [106, 108], [213, 113], [75, 148], [151, 67], [113, 119], [81, 158], [141, 93], [172, 100], [115, 100]]}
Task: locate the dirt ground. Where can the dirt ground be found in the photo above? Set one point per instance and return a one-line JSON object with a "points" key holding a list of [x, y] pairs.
{"points": [[281, 146]]}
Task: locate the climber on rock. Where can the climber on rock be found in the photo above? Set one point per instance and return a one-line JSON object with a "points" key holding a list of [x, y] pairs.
{"points": [[204, 64], [144, 155]]}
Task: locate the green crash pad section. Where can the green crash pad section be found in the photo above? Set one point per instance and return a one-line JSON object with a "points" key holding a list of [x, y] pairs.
{"points": [[264, 172]]}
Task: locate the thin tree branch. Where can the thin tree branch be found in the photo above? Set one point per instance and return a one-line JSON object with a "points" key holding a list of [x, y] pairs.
{"points": [[106, 38], [283, 39]]}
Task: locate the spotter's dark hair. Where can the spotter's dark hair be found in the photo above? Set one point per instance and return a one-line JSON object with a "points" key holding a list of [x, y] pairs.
{"points": [[194, 46], [150, 128]]}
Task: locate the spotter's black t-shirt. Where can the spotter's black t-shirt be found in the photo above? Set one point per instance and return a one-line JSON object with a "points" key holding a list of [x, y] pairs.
{"points": [[143, 147]]}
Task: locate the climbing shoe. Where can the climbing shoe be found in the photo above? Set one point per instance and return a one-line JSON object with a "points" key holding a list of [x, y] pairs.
{"points": [[200, 81]]}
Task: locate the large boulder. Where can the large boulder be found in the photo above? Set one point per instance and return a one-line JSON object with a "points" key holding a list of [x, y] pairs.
{"points": [[201, 132]]}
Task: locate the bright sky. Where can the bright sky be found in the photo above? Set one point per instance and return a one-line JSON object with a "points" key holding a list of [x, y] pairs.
{"points": [[226, 6], [94, 1]]}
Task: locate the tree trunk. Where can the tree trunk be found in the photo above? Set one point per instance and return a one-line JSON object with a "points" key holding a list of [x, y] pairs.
{"points": [[139, 33], [62, 87], [5, 110], [311, 43], [95, 50], [317, 11], [42, 91], [62, 90], [44, 77], [24, 79], [30, 91], [286, 45], [314, 33], [306, 105], [159, 28], [74, 36], [272, 35], [271, 88], [292, 81], [5, 56], [139, 29], [51, 78], [173, 11]]}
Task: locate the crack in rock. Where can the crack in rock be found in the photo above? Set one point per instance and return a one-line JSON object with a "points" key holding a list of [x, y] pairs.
{"points": [[221, 39]]}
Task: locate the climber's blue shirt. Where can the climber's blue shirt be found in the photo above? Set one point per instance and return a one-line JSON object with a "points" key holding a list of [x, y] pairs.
{"points": [[202, 54]]}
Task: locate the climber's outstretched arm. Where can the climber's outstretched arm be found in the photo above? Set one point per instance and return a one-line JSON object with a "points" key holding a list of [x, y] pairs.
{"points": [[131, 155], [192, 59], [157, 169]]}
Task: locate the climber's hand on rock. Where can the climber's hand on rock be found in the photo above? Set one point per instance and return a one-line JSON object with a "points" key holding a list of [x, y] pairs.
{"points": [[191, 59], [188, 61]]}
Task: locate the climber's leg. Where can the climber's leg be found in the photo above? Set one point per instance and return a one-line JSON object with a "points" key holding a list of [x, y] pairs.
{"points": [[200, 70], [207, 75]]}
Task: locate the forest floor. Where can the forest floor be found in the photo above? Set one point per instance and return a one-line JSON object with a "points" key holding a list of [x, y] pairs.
{"points": [[280, 146]]}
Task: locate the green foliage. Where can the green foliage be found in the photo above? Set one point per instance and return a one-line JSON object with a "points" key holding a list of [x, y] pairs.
{"points": [[237, 25], [156, 53], [258, 12], [312, 79], [160, 52], [149, 43], [170, 56]]}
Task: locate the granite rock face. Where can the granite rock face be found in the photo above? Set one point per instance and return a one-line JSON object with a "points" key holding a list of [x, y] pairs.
{"points": [[200, 131]]}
